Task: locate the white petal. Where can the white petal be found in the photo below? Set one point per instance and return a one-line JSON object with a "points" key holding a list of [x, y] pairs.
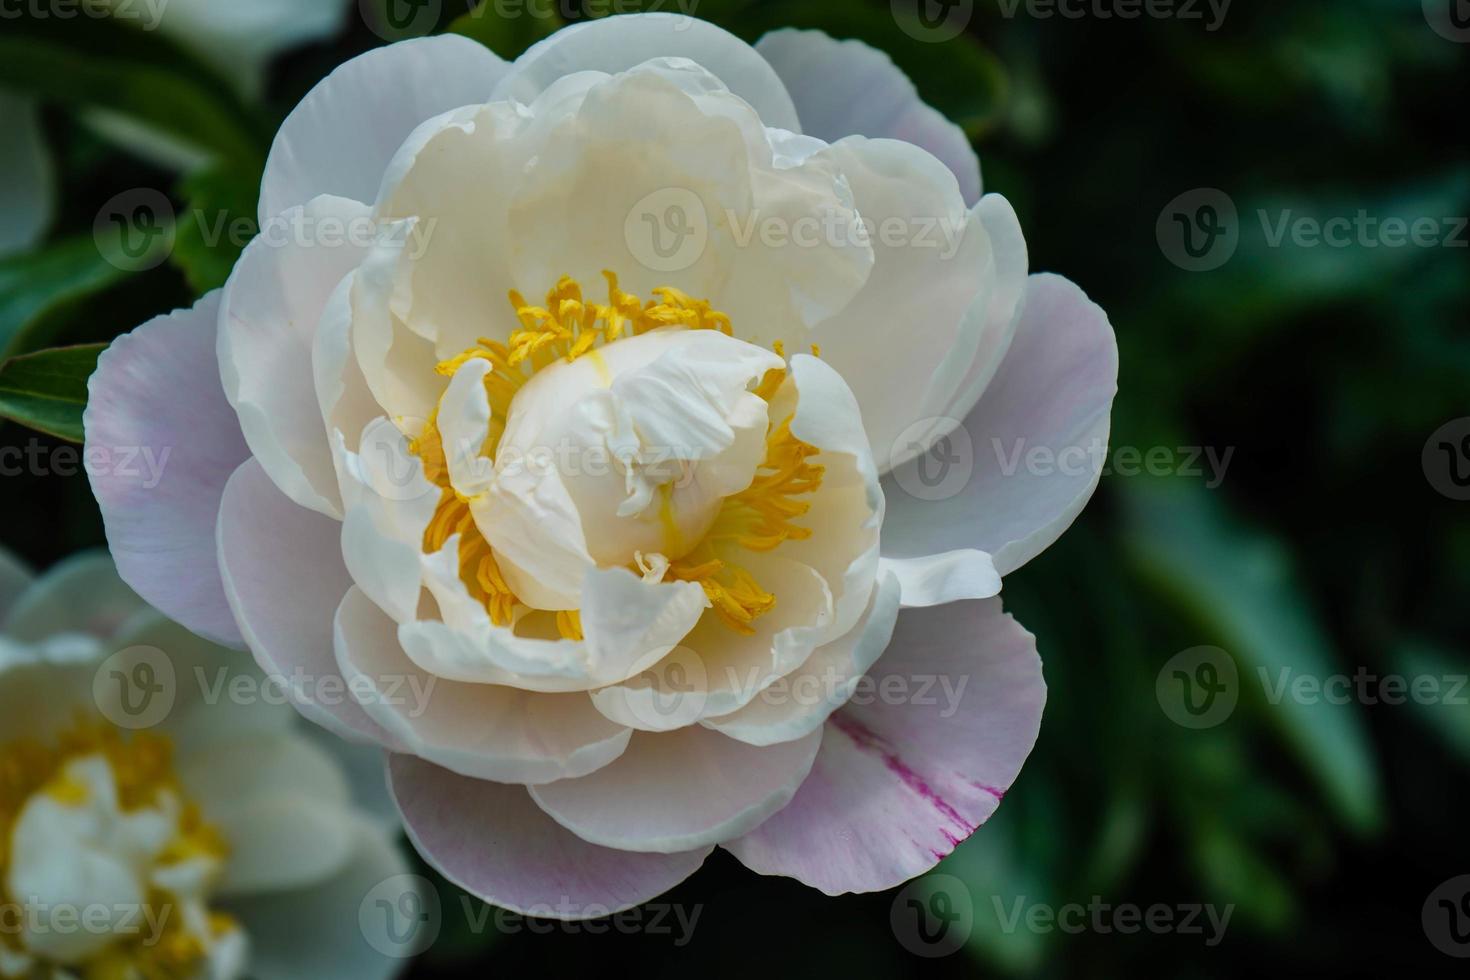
{"points": [[483, 731], [82, 594], [615, 44], [1053, 396], [846, 88], [341, 137], [933, 580], [680, 790], [268, 317], [801, 701]]}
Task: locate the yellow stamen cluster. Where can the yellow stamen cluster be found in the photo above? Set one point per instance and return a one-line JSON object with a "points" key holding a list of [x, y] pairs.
{"points": [[143, 771], [567, 327]]}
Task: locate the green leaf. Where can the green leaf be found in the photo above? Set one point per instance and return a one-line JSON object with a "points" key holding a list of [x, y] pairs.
{"points": [[36, 287], [509, 36], [1443, 710], [47, 391], [116, 65], [1239, 587], [218, 222]]}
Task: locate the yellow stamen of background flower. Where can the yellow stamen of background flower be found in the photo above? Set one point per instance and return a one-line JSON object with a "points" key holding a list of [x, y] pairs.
{"points": [[143, 772]]}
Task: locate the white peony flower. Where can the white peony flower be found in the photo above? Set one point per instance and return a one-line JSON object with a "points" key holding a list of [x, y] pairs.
{"points": [[647, 548], [162, 813]]}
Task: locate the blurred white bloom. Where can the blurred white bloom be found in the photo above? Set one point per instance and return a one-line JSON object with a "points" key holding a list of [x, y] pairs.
{"points": [[179, 849]]}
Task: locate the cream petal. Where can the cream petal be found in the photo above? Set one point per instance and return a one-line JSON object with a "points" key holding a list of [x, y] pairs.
{"points": [[464, 427], [846, 88], [15, 578], [801, 701], [341, 137], [268, 316], [161, 441], [1053, 394], [284, 578], [952, 576], [483, 731], [681, 790], [615, 44], [522, 860], [901, 780]]}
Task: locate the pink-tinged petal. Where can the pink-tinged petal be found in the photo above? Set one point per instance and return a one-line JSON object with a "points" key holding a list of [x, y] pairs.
{"points": [[897, 785], [268, 316], [161, 443], [484, 731], [341, 137], [284, 577], [676, 791], [493, 841], [615, 44], [1039, 437], [846, 88]]}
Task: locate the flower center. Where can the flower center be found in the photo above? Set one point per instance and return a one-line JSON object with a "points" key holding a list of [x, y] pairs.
{"points": [[114, 801], [693, 546]]}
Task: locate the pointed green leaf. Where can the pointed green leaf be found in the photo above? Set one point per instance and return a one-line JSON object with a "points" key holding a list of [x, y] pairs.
{"points": [[47, 391]]}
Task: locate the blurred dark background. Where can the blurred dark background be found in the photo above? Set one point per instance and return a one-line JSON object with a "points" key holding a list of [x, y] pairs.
{"points": [[1279, 491]]}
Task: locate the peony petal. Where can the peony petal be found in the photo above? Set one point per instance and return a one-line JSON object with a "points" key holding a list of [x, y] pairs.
{"points": [[521, 860], [43, 686], [801, 701], [161, 443], [899, 783], [15, 578], [27, 190], [82, 594], [951, 577], [284, 577], [615, 44], [268, 316], [679, 790], [1052, 397], [846, 88], [341, 137], [318, 932], [483, 731], [241, 38]]}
